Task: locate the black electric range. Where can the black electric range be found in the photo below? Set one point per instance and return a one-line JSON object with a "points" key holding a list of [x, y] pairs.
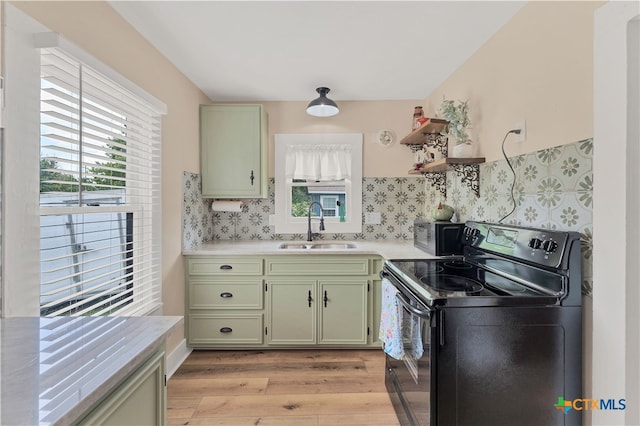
{"points": [[498, 324]]}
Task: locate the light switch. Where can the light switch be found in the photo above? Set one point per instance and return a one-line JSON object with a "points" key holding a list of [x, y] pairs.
{"points": [[372, 218]]}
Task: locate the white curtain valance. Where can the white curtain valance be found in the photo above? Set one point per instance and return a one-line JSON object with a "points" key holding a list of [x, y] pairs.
{"points": [[318, 161]]}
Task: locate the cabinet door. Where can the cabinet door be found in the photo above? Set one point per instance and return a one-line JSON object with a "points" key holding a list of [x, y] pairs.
{"points": [[292, 312], [140, 400], [233, 151], [343, 311]]}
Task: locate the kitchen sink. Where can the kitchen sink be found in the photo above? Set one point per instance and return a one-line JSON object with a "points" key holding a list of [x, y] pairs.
{"points": [[292, 246], [332, 246], [317, 246]]}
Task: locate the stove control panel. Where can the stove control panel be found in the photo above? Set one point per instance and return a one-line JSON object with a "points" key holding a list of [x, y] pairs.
{"points": [[542, 246], [548, 246]]}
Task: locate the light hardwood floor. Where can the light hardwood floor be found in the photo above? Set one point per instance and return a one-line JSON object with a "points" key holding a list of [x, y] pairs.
{"points": [[280, 387]]}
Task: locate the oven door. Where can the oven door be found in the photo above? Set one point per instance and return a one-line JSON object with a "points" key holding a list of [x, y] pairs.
{"points": [[409, 379]]}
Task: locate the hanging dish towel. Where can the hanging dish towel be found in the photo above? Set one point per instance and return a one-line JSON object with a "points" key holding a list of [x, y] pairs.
{"points": [[390, 321], [417, 348]]}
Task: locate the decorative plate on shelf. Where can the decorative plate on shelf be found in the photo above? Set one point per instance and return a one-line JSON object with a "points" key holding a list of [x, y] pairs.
{"points": [[386, 138]]}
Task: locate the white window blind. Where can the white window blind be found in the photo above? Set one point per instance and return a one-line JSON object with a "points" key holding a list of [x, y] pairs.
{"points": [[99, 193]]}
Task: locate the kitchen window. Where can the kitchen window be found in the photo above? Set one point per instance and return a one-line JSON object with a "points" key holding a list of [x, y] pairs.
{"points": [[99, 193], [321, 168]]}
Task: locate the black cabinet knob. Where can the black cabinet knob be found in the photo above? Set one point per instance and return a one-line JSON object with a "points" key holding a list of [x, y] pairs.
{"points": [[226, 330]]}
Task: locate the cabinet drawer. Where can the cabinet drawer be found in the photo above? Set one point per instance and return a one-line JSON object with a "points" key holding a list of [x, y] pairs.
{"points": [[225, 266], [321, 265], [241, 294], [227, 329]]}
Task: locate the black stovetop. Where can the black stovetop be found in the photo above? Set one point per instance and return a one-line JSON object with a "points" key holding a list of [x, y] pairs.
{"points": [[502, 264], [455, 281]]}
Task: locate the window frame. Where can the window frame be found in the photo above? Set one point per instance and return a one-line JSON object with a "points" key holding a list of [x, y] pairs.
{"points": [[142, 273], [283, 221]]}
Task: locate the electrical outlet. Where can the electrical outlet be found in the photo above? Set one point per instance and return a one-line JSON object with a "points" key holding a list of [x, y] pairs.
{"points": [[522, 125], [372, 218]]}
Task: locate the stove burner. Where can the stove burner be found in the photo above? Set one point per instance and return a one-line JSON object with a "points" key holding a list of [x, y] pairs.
{"points": [[452, 283], [457, 264], [428, 268]]}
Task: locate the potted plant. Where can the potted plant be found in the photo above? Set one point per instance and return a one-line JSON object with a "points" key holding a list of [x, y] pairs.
{"points": [[457, 114]]}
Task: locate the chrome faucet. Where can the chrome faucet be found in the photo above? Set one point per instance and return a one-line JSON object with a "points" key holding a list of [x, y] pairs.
{"points": [[310, 234]]}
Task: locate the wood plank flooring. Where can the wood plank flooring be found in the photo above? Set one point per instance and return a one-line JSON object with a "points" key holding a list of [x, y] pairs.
{"points": [[280, 387]]}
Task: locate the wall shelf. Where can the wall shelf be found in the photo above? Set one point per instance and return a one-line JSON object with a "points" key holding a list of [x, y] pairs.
{"points": [[445, 164], [429, 133], [467, 168]]}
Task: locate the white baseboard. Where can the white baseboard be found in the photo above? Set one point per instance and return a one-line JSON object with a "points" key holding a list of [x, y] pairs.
{"points": [[177, 357]]}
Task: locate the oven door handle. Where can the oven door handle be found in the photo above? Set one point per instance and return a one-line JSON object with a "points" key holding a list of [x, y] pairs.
{"points": [[425, 313]]}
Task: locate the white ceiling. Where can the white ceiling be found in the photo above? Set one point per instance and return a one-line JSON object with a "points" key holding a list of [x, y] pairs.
{"points": [[283, 50]]}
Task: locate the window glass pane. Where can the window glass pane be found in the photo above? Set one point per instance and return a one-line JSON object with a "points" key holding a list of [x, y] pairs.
{"points": [[83, 144], [325, 193], [86, 262], [300, 201], [59, 127]]}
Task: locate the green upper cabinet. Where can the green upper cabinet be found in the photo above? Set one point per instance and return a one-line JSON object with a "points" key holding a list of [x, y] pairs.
{"points": [[233, 151]]}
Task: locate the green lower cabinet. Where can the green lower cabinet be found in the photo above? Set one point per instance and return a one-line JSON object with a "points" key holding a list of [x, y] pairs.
{"points": [[282, 301], [292, 307], [325, 312], [140, 400], [343, 311]]}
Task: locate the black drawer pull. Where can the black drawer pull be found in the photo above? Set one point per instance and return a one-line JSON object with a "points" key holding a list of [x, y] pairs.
{"points": [[226, 295], [226, 267], [226, 330]]}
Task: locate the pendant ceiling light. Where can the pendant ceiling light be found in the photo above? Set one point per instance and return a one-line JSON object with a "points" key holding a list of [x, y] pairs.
{"points": [[322, 106]]}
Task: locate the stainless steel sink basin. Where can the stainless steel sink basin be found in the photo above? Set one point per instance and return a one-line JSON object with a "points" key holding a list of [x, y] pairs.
{"points": [[293, 246], [317, 246], [334, 246]]}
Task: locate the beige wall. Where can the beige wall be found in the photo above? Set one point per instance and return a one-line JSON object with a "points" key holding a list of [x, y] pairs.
{"points": [[366, 117], [538, 67], [99, 30]]}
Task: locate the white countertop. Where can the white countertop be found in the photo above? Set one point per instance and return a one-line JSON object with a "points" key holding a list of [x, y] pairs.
{"points": [[55, 369], [399, 249]]}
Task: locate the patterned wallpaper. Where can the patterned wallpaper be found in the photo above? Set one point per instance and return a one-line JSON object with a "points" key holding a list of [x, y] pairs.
{"points": [[553, 189], [399, 200]]}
